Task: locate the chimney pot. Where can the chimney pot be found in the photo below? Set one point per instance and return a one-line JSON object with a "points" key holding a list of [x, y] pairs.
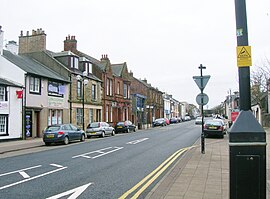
{"points": [[21, 33]]}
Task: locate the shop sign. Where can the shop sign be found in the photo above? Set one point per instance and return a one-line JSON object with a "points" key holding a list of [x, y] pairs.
{"points": [[55, 102]]}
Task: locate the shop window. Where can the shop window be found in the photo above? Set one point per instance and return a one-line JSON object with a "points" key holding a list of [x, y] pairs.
{"points": [[79, 116], [55, 117]]}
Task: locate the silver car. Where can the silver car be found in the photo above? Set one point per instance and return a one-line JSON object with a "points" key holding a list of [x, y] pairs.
{"points": [[99, 129]]}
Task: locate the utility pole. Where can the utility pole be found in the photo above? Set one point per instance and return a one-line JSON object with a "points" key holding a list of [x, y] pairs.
{"points": [[247, 139]]}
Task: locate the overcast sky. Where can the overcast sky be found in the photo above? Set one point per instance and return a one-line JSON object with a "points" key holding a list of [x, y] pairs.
{"points": [[163, 41]]}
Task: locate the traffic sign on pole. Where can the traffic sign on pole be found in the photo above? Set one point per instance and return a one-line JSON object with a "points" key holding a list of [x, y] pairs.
{"points": [[202, 99], [201, 81]]}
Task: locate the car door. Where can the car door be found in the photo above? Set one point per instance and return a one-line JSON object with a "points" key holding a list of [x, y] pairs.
{"points": [[75, 132], [67, 130], [107, 128]]}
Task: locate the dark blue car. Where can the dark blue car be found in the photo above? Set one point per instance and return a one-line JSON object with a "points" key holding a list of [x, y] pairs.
{"points": [[62, 133]]}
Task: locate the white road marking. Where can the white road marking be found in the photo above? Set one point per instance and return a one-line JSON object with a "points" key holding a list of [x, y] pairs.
{"points": [[17, 171], [75, 192], [137, 141], [25, 175], [31, 178], [100, 152]]}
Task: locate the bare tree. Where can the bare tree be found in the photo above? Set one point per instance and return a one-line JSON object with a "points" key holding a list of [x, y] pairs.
{"points": [[259, 78]]}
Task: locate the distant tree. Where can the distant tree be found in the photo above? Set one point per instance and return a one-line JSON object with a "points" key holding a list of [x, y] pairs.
{"points": [[259, 78]]}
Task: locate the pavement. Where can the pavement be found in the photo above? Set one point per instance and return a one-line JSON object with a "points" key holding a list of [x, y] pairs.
{"points": [[193, 176]]}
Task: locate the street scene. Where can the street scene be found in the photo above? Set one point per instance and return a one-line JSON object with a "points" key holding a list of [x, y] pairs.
{"points": [[145, 99]]}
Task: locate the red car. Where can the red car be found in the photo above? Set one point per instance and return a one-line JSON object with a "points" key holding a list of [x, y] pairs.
{"points": [[167, 121]]}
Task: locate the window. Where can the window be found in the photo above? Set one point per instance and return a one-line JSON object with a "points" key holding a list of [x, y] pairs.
{"points": [[107, 113], [88, 67], [109, 87], [56, 89], [111, 114], [125, 91], [118, 88], [79, 116], [91, 115], [79, 89], [55, 117], [2, 93], [74, 62], [34, 85], [94, 95], [3, 125]]}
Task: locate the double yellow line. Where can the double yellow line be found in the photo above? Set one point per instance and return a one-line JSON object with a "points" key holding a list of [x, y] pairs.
{"points": [[150, 178]]}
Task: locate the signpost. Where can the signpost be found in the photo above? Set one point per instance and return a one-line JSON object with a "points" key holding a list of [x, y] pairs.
{"points": [[202, 99]]}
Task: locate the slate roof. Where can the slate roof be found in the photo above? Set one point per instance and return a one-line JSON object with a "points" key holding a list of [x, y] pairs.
{"points": [[32, 66], [102, 66], [9, 83], [117, 69]]}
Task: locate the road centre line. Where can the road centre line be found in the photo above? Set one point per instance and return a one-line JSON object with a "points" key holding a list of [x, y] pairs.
{"points": [[150, 178], [32, 178], [137, 141], [101, 152]]}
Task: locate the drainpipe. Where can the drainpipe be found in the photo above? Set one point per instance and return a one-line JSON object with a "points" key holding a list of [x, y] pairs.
{"points": [[70, 99]]}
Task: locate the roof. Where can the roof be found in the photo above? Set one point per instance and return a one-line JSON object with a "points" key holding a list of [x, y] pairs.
{"points": [[117, 69], [9, 83], [32, 66], [102, 66]]}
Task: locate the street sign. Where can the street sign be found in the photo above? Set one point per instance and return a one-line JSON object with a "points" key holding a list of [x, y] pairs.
{"points": [[244, 56], [201, 81], [202, 99]]}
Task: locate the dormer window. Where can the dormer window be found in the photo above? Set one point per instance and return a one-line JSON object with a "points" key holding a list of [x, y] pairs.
{"points": [[74, 62], [88, 67]]}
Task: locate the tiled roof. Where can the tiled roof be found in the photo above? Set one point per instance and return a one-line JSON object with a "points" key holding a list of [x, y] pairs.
{"points": [[32, 66]]}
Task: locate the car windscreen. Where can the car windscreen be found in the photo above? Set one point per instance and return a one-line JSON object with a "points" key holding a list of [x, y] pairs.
{"points": [[52, 128], [120, 123]]}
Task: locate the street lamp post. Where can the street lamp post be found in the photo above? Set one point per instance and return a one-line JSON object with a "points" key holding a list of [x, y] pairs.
{"points": [[84, 81]]}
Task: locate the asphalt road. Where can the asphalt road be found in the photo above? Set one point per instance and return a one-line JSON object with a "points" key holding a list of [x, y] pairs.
{"points": [[98, 168]]}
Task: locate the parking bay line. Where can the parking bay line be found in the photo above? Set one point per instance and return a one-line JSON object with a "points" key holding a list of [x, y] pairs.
{"points": [[32, 178], [101, 152]]}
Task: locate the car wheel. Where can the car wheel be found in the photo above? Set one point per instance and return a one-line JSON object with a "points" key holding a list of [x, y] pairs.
{"points": [[66, 140], [82, 138], [47, 143], [102, 134], [113, 133]]}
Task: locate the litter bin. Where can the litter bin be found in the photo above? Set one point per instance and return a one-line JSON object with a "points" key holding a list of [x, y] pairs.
{"points": [[247, 144]]}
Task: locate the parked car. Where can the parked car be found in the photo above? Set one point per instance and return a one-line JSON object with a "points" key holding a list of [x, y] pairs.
{"points": [[125, 127], [62, 133], [198, 120], [213, 128], [99, 129], [173, 120], [224, 125], [160, 122], [187, 118], [167, 121]]}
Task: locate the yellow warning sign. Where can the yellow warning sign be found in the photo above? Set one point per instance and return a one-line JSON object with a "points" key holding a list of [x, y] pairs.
{"points": [[244, 56]]}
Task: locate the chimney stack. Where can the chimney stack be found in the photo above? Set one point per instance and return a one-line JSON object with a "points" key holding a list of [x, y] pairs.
{"points": [[70, 44], [32, 43]]}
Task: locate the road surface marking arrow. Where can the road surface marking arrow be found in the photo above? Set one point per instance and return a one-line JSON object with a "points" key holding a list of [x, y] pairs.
{"points": [[75, 192]]}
